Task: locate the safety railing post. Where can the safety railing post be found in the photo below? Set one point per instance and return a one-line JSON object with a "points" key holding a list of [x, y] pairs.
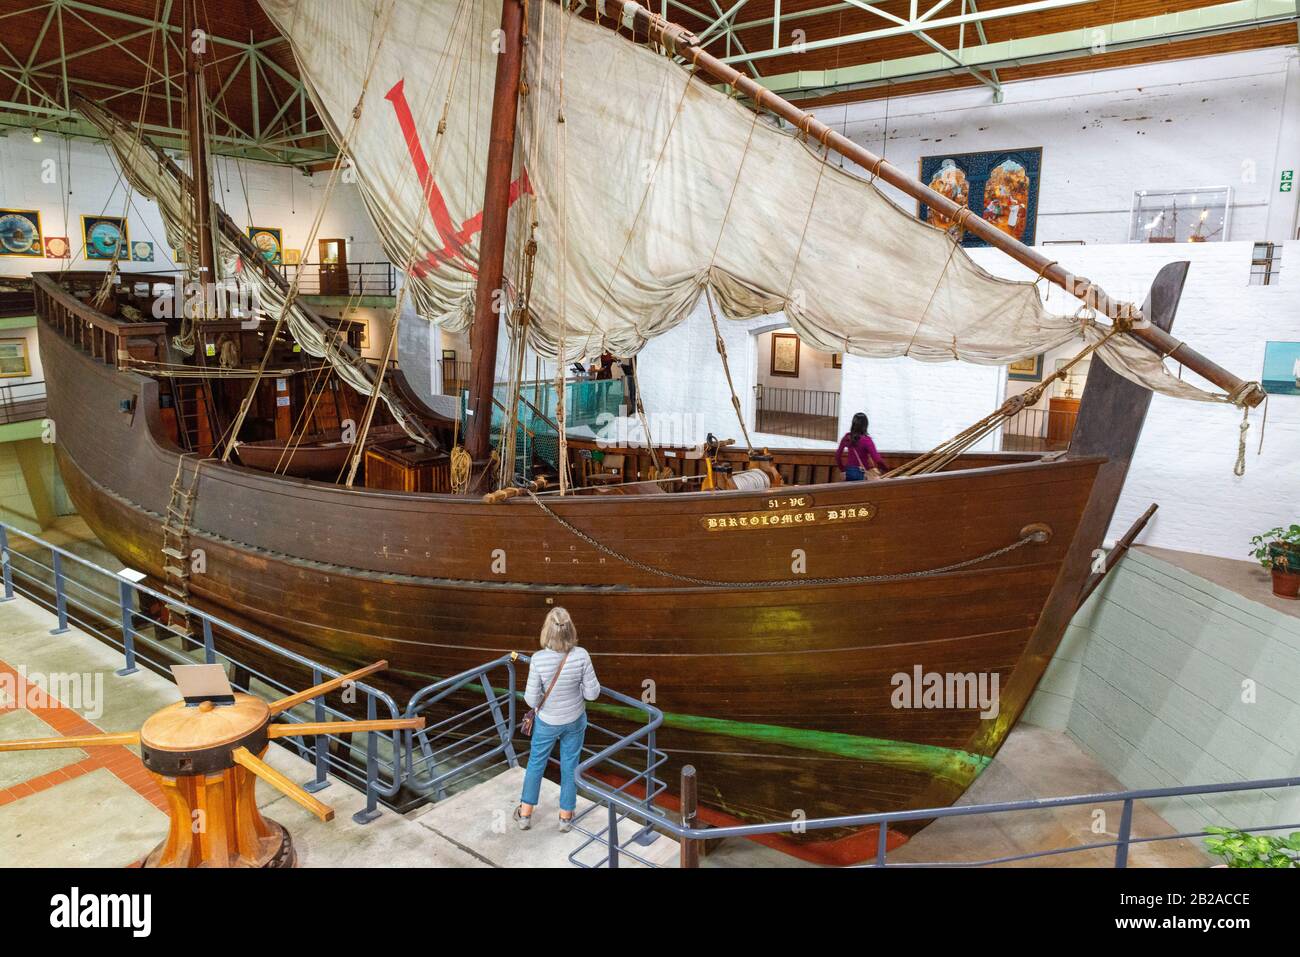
{"points": [[612, 835], [503, 729], [60, 597], [5, 568], [690, 796], [209, 647], [321, 781], [1125, 832], [125, 592], [647, 836], [371, 810], [882, 844]]}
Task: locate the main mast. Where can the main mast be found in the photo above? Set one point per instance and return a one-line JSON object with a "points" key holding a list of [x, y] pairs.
{"points": [[201, 199], [489, 299]]}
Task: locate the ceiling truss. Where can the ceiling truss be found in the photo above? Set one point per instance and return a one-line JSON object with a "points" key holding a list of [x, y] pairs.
{"points": [[43, 86]]}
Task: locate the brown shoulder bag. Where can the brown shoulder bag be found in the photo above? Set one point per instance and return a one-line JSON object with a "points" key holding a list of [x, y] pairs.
{"points": [[526, 723]]}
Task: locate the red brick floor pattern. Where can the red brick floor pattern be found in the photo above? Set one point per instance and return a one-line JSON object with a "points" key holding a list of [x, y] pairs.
{"points": [[121, 761]]}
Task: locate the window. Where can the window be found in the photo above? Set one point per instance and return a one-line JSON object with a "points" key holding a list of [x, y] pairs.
{"points": [[13, 359], [1266, 264]]}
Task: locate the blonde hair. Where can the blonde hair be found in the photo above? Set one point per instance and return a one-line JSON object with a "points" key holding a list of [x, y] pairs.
{"points": [[558, 631]]}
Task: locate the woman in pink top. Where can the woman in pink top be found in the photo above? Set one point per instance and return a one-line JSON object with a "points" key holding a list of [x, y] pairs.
{"points": [[857, 452]]}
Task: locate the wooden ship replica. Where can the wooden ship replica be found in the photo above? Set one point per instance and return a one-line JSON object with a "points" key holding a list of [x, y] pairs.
{"points": [[415, 540]]}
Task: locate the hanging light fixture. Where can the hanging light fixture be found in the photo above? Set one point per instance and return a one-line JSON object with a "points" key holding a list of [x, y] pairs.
{"points": [[36, 136]]}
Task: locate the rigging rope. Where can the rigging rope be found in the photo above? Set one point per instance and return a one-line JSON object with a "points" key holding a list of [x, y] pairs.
{"points": [[945, 452], [1031, 534], [726, 368]]}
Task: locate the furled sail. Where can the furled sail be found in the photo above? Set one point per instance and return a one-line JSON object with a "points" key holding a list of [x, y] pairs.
{"points": [[148, 173], [647, 186]]}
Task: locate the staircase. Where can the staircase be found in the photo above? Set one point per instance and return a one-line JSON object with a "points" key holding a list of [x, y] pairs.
{"points": [[193, 417]]}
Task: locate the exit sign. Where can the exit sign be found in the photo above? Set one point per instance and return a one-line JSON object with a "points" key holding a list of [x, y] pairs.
{"points": [[1288, 180]]}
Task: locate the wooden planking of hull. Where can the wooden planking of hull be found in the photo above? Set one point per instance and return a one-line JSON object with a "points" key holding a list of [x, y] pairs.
{"points": [[781, 694]]}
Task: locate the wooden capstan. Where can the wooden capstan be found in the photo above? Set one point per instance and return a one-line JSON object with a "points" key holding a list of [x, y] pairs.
{"points": [[207, 756]]}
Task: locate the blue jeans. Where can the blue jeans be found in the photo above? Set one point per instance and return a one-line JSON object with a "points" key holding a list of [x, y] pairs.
{"points": [[854, 474], [544, 737]]}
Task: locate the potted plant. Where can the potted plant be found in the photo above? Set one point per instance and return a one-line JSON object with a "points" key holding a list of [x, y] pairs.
{"points": [[1240, 849], [1279, 550]]}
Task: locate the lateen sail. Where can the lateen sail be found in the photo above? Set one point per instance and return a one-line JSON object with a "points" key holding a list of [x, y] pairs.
{"points": [[652, 187], [148, 177]]}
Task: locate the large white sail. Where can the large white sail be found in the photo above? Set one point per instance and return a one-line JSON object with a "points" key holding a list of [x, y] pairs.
{"points": [[647, 186]]}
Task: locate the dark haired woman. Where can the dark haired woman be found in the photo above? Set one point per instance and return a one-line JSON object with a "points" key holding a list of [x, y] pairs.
{"points": [[857, 453]]}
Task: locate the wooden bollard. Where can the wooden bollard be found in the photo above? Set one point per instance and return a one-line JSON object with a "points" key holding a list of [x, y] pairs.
{"points": [[690, 849]]}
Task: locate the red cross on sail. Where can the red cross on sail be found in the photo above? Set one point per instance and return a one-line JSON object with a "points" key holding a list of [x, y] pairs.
{"points": [[454, 239]]}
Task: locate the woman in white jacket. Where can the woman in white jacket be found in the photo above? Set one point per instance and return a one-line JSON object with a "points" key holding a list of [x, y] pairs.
{"points": [[561, 680]]}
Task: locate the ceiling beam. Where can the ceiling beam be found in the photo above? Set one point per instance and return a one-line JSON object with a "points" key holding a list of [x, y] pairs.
{"points": [[1224, 18], [41, 82]]}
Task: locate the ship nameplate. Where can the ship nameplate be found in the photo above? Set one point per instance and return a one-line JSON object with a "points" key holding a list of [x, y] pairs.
{"points": [[786, 517]]}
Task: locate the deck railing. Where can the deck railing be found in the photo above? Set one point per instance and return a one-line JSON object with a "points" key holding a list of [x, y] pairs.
{"points": [[105, 338], [355, 279], [19, 300], [455, 376], [803, 413], [1039, 430], [22, 402]]}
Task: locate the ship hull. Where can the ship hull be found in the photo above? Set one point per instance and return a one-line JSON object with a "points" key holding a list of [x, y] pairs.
{"points": [[782, 696]]}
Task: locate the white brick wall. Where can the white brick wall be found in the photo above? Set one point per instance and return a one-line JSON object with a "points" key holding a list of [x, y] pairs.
{"points": [[1150, 678], [278, 196]]}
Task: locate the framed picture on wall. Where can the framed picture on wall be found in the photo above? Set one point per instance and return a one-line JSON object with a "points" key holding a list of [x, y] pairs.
{"points": [[58, 247], [142, 252], [1026, 370], [269, 242], [292, 257], [1000, 187], [1281, 368], [106, 237], [785, 354], [20, 233], [14, 363]]}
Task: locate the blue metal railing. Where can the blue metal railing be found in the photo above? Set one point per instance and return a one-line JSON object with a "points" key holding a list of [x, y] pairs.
{"points": [[403, 769], [617, 803], [464, 743], [458, 746], [117, 615]]}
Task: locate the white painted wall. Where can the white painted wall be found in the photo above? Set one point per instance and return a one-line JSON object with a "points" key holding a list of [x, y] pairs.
{"points": [[1219, 121], [816, 369], [1149, 679], [36, 176]]}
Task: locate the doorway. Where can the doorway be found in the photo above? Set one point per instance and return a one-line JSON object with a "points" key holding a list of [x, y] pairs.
{"points": [[797, 388], [333, 267]]}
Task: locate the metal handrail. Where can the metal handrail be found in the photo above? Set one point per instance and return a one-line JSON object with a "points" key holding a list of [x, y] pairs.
{"points": [[656, 819], [17, 405], [363, 278], [132, 620]]}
